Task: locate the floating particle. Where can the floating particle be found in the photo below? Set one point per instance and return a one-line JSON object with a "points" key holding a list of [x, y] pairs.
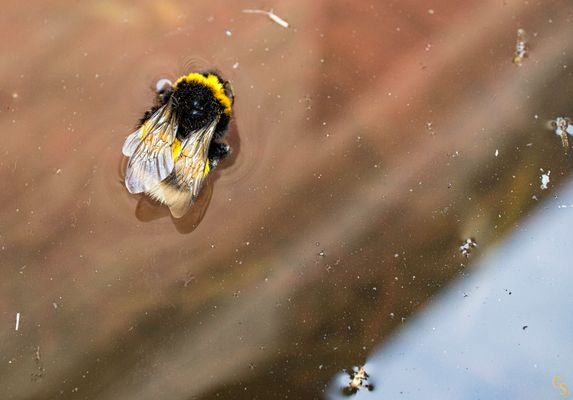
{"points": [[496, 152], [520, 48], [189, 279], [358, 379], [228, 33], [544, 180], [40, 370], [525, 327], [236, 65], [17, 321], [467, 246], [275, 18], [562, 126]]}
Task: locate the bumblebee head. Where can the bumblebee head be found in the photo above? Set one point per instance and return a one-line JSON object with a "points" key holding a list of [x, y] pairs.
{"points": [[220, 89], [199, 99]]}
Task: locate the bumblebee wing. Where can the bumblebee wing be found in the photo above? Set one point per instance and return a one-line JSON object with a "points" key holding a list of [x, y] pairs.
{"points": [[150, 151], [192, 165]]}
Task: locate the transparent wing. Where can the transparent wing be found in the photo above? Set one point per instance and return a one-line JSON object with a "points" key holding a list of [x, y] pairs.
{"points": [[192, 165], [150, 151]]}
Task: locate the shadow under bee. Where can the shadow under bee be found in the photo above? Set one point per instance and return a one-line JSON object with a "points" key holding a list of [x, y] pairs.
{"points": [[148, 210]]}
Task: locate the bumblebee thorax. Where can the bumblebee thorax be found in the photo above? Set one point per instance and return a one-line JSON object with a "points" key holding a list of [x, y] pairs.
{"points": [[195, 107]]}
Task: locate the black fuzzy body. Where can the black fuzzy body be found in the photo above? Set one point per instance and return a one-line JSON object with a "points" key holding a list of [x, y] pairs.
{"points": [[195, 106]]}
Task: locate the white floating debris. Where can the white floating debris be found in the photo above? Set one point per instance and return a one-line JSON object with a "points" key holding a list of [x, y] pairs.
{"points": [[562, 127], [228, 33], [467, 246], [520, 48], [496, 152], [17, 321], [269, 14], [545, 180], [236, 65], [358, 379]]}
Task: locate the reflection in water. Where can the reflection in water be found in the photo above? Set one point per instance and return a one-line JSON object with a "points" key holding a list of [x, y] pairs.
{"points": [[508, 337], [371, 129]]}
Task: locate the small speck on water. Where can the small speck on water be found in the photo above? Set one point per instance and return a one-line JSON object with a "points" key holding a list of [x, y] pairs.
{"points": [[322, 253], [525, 327], [467, 246], [544, 180]]}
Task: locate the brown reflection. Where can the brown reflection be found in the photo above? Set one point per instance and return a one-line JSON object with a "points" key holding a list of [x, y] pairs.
{"points": [[337, 158]]}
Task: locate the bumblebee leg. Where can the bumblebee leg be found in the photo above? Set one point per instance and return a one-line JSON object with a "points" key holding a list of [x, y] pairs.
{"points": [[164, 94], [222, 126], [218, 151]]}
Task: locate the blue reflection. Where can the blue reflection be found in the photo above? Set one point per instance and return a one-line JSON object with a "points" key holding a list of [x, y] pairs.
{"points": [[511, 337]]}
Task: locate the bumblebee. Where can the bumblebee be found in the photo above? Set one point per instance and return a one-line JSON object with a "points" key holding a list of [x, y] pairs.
{"points": [[176, 144]]}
